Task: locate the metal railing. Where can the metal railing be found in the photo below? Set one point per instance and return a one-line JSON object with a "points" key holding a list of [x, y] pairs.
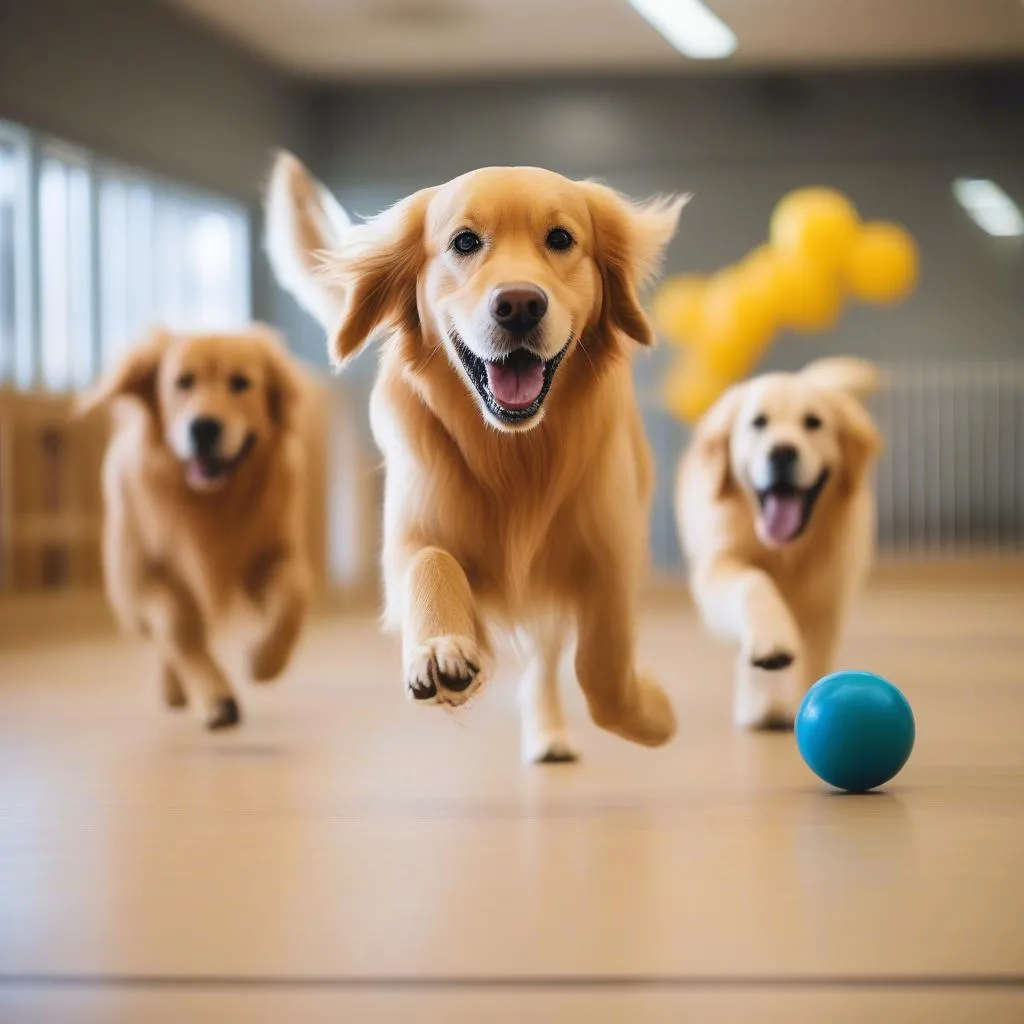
{"points": [[952, 478]]}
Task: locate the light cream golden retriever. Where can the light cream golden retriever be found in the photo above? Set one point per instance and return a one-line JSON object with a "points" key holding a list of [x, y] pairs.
{"points": [[518, 477], [203, 485], [776, 513]]}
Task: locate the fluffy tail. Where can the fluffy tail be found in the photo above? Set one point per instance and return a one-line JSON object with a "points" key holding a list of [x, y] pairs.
{"points": [[856, 377], [303, 221]]}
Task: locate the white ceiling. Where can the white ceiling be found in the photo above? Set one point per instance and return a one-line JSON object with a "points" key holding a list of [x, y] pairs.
{"points": [[388, 38]]}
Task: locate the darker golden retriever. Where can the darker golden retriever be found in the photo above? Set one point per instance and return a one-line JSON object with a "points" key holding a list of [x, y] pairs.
{"points": [[203, 485]]}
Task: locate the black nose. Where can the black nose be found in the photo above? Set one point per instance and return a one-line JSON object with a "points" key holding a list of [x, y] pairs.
{"points": [[518, 307], [205, 433], [783, 459]]}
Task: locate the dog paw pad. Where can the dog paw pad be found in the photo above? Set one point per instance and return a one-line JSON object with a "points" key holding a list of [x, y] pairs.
{"points": [[774, 661], [557, 753], [445, 670], [225, 715]]}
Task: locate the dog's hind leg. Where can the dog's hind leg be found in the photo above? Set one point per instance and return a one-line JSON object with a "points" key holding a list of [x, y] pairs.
{"points": [[545, 734], [620, 699]]}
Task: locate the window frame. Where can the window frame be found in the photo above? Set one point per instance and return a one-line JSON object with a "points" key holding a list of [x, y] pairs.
{"points": [[72, 157], [20, 370], [164, 189], [23, 370]]}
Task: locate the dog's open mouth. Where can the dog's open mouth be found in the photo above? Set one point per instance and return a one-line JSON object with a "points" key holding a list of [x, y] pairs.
{"points": [[785, 510], [513, 388], [206, 471]]}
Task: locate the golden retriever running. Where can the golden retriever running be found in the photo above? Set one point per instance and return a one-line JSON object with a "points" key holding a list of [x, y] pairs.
{"points": [[518, 477], [777, 518], [203, 485]]}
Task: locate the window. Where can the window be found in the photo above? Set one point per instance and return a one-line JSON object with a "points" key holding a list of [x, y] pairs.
{"points": [[93, 255], [15, 256], [8, 327], [167, 257], [66, 345], [122, 308]]}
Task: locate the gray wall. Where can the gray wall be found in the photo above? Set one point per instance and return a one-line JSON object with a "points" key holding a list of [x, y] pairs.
{"points": [[893, 141], [137, 81]]}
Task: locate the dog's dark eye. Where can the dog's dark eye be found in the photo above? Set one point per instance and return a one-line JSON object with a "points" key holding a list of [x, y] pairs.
{"points": [[466, 242], [185, 381], [559, 239], [812, 422], [759, 422], [238, 382]]}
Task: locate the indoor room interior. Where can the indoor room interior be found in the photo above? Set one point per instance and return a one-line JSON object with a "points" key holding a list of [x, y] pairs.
{"points": [[323, 848]]}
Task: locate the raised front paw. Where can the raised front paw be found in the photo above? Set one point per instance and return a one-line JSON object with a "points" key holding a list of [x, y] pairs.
{"points": [[773, 642], [774, 659], [444, 670], [765, 698]]}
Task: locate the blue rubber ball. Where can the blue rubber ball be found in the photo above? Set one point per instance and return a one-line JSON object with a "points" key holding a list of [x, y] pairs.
{"points": [[855, 730]]}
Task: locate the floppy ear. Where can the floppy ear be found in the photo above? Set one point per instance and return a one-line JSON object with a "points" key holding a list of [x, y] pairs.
{"points": [[629, 241], [303, 222], [285, 384], [376, 268], [133, 377], [712, 437], [859, 439]]}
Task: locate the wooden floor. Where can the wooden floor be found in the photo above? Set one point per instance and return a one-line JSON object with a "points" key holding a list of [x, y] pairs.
{"points": [[347, 856]]}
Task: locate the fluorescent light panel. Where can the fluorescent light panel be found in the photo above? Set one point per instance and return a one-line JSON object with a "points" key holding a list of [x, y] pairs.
{"points": [[989, 207], [690, 27]]}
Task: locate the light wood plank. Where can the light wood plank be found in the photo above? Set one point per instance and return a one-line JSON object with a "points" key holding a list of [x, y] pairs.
{"points": [[345, 833]]}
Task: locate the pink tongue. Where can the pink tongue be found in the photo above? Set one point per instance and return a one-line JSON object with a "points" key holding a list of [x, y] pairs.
{"points": [[782, 516], [516, 386]]}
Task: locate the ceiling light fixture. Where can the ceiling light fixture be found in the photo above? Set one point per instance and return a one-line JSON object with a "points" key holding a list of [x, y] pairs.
{"points": [[690, 27], [989, 207]]}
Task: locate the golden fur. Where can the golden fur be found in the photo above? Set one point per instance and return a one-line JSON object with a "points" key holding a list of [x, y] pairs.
{"points": [[180, 550], [536, 528], [782, 604]]}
